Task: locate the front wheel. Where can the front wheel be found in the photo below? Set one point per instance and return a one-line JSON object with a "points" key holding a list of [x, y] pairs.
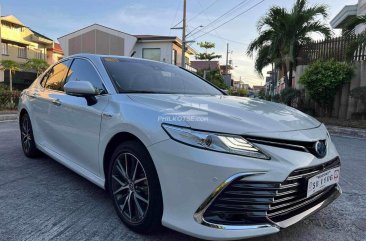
{"points": [[27, 137], [135, 188]]}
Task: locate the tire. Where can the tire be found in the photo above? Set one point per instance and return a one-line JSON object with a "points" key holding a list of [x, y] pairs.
{"points": [[27, 137], [135, 192]]}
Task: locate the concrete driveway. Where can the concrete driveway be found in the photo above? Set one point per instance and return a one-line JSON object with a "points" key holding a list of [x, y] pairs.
{"points": [[42, 200]]}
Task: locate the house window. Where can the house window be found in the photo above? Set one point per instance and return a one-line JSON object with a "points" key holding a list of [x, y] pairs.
{"points": [[151, 53], [22, 52], [4, 49], [174, 57], [38, 54]]}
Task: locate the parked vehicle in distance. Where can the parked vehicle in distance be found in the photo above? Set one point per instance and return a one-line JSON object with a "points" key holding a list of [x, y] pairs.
{"points": [[174, 150]]}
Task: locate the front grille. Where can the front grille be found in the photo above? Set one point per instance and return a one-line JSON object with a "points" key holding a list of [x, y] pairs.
{"points": [[304, 146], [247, 202]]}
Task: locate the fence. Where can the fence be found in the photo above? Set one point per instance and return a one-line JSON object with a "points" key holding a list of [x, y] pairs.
{"points": [[335, 48]]}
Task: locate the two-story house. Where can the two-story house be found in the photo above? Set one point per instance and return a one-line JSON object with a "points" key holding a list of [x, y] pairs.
{"points": [[348, 12], [98, 39], [20, 43]]}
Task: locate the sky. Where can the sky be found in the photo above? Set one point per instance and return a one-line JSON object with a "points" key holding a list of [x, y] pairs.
{"points": [[57, 18]]}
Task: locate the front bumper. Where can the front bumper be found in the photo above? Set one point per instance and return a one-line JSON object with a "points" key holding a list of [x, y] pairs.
{"points": [[192, 178]]}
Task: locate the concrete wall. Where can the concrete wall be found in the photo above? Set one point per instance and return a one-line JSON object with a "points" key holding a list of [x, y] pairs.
{"points": [[344, 106]]}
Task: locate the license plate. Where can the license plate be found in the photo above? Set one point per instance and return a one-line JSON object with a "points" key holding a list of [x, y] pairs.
{"points": [[323, 180]]}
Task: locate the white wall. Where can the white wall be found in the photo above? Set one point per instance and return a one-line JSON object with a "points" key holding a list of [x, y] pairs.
{"points": [[165, 50], [361, 11]]}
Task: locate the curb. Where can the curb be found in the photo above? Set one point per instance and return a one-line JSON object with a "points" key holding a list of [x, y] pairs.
{"points": [[8, 117], [346, 131]]}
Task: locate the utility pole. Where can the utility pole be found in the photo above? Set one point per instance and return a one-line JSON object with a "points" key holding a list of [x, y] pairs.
{"points": [[227, 59], [184, 34]]}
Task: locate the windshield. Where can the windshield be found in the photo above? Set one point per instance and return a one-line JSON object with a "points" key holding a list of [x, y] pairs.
{"points": [[142, 76]]}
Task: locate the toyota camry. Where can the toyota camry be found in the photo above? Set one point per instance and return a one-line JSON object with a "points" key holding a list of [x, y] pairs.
{"points": [[174, 150]]}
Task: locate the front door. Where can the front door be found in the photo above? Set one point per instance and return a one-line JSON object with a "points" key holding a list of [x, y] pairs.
{"points": [[77, 125]]}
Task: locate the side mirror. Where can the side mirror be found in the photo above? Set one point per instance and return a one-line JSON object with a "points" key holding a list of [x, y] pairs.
{"points": [[81, 89]]}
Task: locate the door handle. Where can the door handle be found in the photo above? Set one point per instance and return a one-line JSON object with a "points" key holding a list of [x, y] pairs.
{"points": [[56, 102]]}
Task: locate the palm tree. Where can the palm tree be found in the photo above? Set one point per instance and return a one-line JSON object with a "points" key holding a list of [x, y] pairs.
{"points": [[348, 31], [12, 67], [39, 65], [270, 43], [282, 32]]}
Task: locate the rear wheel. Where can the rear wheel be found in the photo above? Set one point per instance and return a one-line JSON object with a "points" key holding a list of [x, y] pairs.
{"points": [[134, 187], [27, 137]]}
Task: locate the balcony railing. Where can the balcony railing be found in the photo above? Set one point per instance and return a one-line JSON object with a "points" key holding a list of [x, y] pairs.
{"points": [[190, 68]]}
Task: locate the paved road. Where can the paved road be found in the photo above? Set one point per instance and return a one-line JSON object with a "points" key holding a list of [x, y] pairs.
{"points": [[42, 200]]}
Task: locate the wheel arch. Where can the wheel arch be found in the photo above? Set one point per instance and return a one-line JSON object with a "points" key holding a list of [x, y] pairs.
{"points": [[112, 144]]}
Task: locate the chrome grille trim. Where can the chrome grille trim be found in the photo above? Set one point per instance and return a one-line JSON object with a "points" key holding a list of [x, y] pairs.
{"points": [[246, 203]]}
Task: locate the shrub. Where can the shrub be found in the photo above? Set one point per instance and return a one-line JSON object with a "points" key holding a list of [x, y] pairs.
{"points": [[288, 95], [5, 98], [276, 98], [323, 78], [214, 77]]}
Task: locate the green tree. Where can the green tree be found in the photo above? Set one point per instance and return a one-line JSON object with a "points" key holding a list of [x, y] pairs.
{"points": [[348, 31], [12, 67], [39, 65], [282, 32], [323, 79], [215, 77], [207, 56]]}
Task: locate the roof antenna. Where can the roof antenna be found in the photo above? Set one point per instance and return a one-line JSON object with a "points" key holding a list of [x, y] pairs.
{"points": [[133, 53]]}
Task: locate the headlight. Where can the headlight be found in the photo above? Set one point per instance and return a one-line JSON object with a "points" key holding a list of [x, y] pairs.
{"points": [[214, 141]]}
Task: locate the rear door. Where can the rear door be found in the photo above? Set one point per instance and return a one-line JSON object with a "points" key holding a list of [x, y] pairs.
{"points": [[76, 124]]}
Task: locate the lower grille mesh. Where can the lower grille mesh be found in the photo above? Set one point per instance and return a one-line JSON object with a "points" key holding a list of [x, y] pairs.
{"points": [[246, 202]]}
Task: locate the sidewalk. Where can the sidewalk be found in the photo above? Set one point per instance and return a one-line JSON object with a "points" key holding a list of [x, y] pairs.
{"points": [[346, 131], [8, 115]]}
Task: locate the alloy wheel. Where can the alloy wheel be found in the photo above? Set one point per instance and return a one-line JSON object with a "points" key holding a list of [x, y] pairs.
{"points": [[130, 188], [26, 134]]}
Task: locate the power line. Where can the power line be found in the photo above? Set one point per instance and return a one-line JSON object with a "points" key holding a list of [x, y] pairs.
{"points": [[236, 16], [218, 19], [203, 10], [175, 16], [226, 39]]}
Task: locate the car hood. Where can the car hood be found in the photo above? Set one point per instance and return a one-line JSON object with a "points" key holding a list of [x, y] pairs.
{"points": [[228, 114]]}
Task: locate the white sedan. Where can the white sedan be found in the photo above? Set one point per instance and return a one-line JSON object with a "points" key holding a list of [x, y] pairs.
{"points": [[174, 150]]}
